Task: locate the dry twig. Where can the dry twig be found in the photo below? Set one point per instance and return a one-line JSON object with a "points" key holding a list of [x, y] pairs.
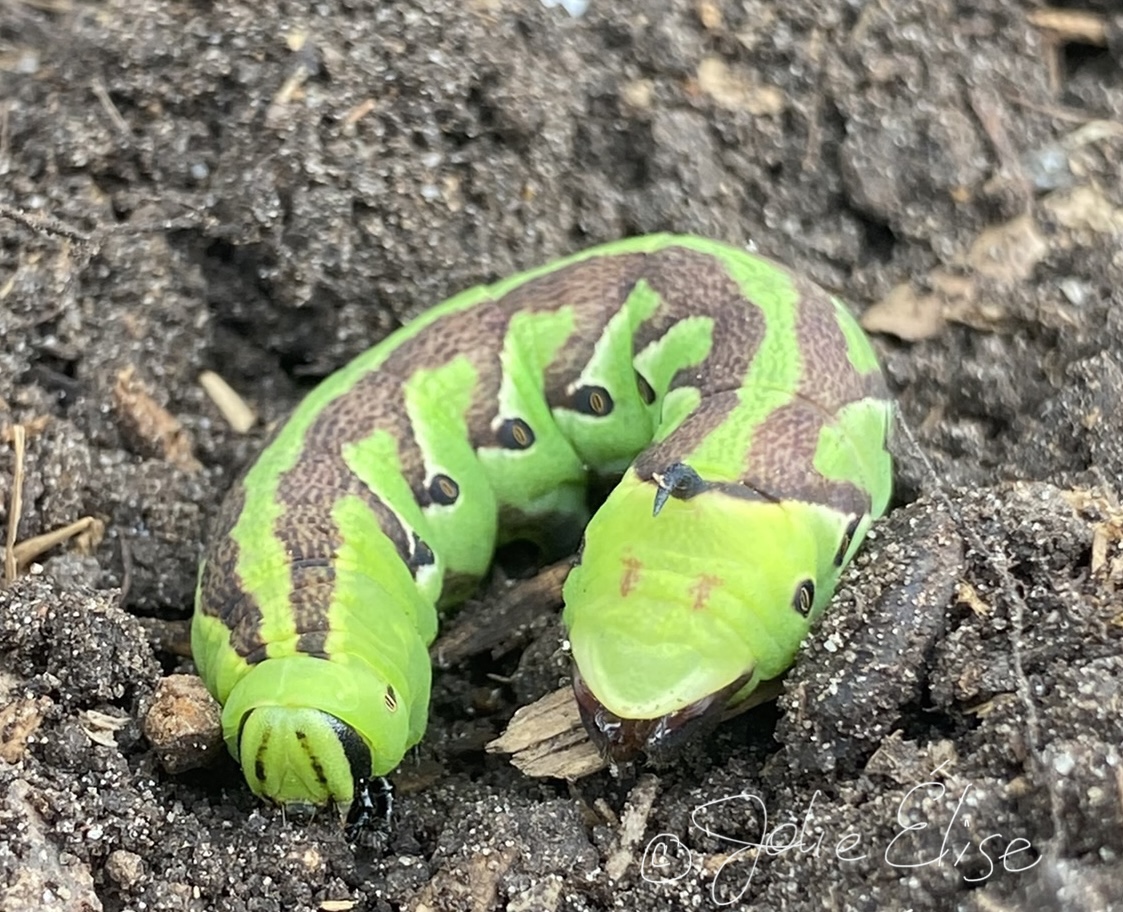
{"points": [[15, 507]]}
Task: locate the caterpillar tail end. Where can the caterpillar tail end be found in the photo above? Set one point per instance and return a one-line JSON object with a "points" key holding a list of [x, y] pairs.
{"points": [[623, 740], [303, 760]]}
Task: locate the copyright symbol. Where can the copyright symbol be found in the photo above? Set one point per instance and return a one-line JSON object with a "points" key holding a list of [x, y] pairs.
{"points": [[665, 860]]}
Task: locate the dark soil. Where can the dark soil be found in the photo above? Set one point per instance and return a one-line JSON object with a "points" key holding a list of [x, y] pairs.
{"points": [[265, 189]]}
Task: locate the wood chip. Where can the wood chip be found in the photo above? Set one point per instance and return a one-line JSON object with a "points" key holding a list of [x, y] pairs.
{"points": [[102, 728], [31, 428], [1085, 208], [234, 408], [1009, 252], [1071, 25], [1005, 254], [632, 827], [357, 113], [968, 595], [19, 720], [474, 890], [152, 428], [548, 739], [906, 313], [735, 91], [15, 506], [709, 14], [503, 624], [87, 532]]}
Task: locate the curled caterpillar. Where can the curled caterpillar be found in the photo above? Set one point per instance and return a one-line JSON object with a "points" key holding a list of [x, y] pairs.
{"points": [[742, 409]]}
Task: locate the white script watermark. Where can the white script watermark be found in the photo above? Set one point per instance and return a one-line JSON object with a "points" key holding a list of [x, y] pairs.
{"points": [[911, 843]]}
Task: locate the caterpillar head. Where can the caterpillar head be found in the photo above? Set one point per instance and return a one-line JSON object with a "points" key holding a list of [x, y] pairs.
{"points": [[302, 759]]}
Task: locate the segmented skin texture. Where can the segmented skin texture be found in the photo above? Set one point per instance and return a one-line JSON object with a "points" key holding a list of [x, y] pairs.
{"points": [[741, 406]]}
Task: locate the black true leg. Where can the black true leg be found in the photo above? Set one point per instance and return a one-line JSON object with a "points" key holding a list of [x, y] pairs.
{"points": [[373, 806]]}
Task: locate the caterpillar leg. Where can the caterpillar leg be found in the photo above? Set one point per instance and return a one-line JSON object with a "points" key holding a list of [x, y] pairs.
{"points": [[373, 808]]}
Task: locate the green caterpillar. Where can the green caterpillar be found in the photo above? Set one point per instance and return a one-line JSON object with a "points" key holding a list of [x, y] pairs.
{"points": [[742, 407]]}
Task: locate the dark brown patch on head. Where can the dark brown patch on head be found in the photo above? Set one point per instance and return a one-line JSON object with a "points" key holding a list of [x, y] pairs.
{"points": [[262, 746], [355, 749]]}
